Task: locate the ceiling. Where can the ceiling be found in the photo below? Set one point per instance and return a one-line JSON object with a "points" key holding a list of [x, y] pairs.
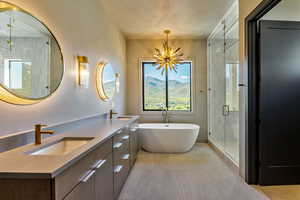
{"points": [[148, 18]]}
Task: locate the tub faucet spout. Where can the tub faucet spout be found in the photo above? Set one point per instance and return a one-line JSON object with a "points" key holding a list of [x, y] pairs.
{"points": [[165, 115]]}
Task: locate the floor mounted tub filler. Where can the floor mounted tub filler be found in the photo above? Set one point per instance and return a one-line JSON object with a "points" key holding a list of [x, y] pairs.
{"points": [[168, 138]]}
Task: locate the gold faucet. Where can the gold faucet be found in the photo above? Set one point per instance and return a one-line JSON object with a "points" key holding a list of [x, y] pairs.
{"points": [[39, 132], [111, 113]]}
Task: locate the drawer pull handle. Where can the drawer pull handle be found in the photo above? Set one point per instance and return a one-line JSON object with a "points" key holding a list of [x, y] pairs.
{"points": [[118, 145], [126, 156], [88, 176], [125, 137], [118, 169], [99, 164], [133, 129]]}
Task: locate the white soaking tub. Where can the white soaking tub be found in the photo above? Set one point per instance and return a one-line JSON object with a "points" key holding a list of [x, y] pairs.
{"points": [[168, 138]]}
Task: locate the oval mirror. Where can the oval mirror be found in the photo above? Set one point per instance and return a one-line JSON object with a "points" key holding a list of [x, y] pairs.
{"points": [[106, 81], [31, 62]]}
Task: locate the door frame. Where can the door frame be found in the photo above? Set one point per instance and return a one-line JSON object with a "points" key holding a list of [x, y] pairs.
{"points": [[252, 66]]}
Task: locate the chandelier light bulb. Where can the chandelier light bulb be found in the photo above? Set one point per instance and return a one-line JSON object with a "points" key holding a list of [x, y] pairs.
{"points": [[167, 58]]}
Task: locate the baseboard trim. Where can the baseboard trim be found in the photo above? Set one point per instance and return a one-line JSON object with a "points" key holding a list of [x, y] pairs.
{"points": [[202, 141], [225, 158]]}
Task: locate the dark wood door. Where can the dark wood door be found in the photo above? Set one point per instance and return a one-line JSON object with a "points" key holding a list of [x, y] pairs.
{"points": [[279, 103], [104, 185]]}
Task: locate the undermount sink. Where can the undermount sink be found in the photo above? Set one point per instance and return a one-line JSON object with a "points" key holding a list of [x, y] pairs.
{"points": [[124, 118], [62, 147]]}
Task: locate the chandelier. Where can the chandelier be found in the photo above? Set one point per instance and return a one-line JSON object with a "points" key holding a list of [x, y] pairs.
{"points": [[168, 58]]}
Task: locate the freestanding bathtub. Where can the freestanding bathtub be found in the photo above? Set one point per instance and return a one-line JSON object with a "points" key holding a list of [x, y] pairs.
{"points": [[168, 138]]}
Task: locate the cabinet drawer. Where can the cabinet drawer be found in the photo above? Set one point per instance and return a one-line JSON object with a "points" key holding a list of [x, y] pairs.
{"points": [[68, 179], [104, 186], [84, 190], [120, 149], [102, 151], [123, 160], [121, 136], [134, 144], [121, 172]]}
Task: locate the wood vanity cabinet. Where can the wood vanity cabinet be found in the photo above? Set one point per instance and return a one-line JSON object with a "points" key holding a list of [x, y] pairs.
{"points": [[134, 142], [97, 185], [99, 175], [104, 180], [121, 155], [108, 175], [90, 177]]}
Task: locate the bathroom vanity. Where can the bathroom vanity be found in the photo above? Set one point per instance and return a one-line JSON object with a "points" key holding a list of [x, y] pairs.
{"points": [[91, 163]]}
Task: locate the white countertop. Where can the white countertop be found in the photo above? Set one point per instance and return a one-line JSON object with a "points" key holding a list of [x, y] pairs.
{"points": [[17, 163]]}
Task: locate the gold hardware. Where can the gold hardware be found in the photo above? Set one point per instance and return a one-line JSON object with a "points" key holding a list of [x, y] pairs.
{"points": [[111, 113], [39, 132], [168, 58], [117, 82], [99, 82], [6, 94], [102, 91], [82, 59], [83, 71]]}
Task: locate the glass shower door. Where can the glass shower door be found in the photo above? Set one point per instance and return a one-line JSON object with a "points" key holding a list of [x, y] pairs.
{"points": [[217, 89], [223, 96], [231, 142]]}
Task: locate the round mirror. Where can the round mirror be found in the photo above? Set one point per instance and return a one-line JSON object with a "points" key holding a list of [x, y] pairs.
{"points": [[31, 62], [106, 81]]}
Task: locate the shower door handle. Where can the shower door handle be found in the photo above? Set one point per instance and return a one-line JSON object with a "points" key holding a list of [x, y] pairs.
{"points": [[225, 110], [224, 107]]}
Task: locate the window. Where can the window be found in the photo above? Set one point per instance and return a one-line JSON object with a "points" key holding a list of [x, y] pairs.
{"points": [[16, 72], [171, 90]]}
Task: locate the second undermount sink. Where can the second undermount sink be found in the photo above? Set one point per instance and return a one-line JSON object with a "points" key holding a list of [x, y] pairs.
{"points": [[62, 147], [124, 118]]}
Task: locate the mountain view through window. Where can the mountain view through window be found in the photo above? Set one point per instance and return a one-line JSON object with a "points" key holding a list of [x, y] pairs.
{"points": [[169, 90]]}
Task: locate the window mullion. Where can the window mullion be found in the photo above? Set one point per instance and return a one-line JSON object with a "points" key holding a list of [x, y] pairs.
{"points": [[167, 90]]}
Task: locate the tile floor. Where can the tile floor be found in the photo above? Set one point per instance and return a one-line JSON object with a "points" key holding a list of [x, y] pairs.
{"points": [[197, 175]]}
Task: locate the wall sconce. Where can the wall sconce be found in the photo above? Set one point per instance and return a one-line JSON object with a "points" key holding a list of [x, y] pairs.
{"points": [[117, 82], [83, 71]]}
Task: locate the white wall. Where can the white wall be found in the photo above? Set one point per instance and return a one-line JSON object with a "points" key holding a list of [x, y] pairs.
{"points": [[194, 50], [81, 28]]}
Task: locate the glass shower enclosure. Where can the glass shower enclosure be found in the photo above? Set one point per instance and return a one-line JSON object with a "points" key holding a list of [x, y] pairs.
{"points": [[223, 80]]}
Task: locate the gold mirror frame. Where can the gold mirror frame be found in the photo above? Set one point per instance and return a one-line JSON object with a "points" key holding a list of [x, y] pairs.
{"points": [[99, 81], [6, 95]]}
